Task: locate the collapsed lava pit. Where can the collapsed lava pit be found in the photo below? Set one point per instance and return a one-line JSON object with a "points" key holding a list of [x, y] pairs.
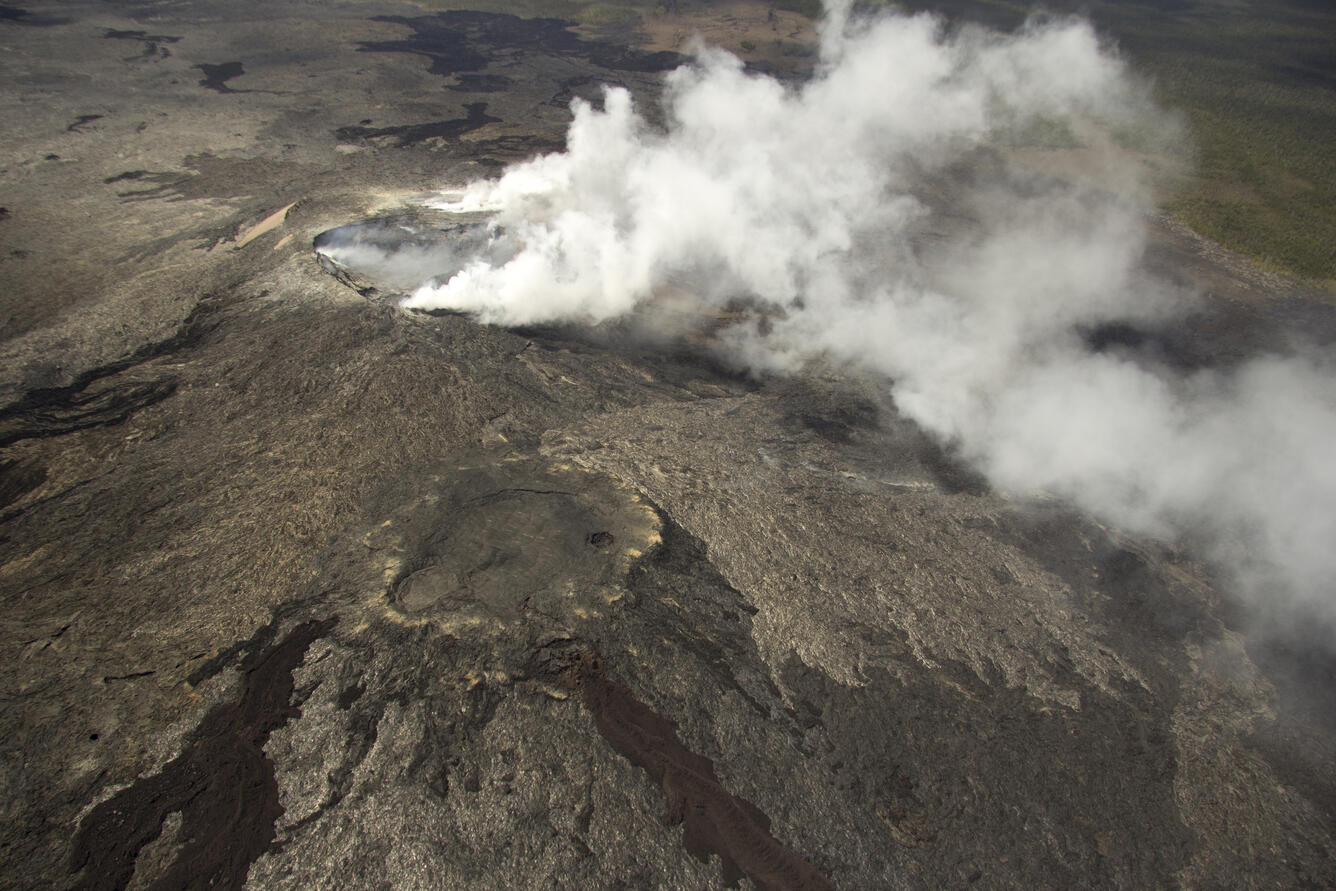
{"points": [[511, 542]]}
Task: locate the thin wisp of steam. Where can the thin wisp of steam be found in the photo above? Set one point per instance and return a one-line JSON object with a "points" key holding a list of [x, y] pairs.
{"points": [[893, 212]]}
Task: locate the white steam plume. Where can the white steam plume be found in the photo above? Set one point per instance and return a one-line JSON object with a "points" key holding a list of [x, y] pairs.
{"points": [[883, 214]]}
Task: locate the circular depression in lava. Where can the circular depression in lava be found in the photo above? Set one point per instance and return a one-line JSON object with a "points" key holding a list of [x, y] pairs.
{"points": [[507, 548], [396, 255], [512, 541]]}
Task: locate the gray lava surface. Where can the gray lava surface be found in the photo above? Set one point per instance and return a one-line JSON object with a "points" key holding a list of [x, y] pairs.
{"points": [[301, 590]]}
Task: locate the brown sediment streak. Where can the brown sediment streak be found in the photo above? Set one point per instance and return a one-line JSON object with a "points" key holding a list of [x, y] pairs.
{"points": [[716, 821], [223, 784]]}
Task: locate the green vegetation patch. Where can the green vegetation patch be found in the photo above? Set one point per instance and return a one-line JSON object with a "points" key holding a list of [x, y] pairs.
{"points": [[1256, 84]]}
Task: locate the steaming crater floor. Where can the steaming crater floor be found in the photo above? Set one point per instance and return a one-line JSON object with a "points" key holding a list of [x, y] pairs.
{"points": [[837, 658], [391, 256]]}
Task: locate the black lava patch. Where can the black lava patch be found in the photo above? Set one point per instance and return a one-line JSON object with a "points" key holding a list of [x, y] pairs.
{"points": [[103, 396], [217, 76], [480, 83], [82, 121], [412, 134], [717, 822], [223, 785], [1217, 334], [153, 43], [18, 478], [18, 16], [466, 42], [54, 412]]}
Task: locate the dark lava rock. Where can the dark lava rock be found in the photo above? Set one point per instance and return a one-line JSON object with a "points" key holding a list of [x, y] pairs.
{"points": [[303, 590], [217, 76], [222, 784]]}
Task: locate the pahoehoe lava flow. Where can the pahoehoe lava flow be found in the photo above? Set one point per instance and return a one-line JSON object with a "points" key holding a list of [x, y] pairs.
{"points": [[463, 42], [409, 134], [222, 784], [715, 821], [703, 566]]}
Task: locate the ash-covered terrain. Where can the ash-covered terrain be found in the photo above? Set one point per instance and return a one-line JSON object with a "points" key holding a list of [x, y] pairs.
{"points": [[303, 589]]}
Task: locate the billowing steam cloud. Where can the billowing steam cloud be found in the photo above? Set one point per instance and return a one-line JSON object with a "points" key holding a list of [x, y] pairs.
{"points": [[888, 213]]}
